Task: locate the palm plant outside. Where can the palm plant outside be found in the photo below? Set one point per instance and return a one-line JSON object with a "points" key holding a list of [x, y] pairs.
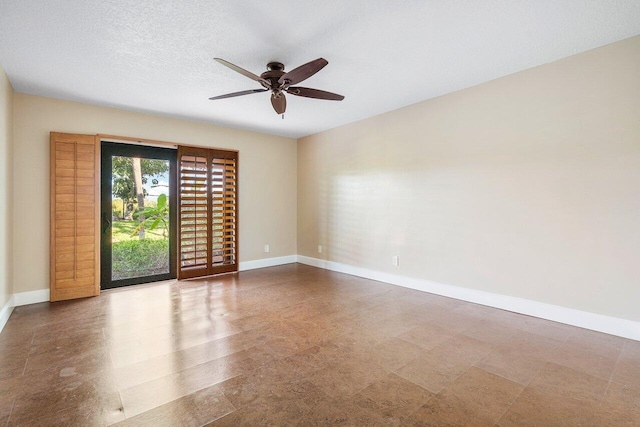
{"points": [[152, 217]]}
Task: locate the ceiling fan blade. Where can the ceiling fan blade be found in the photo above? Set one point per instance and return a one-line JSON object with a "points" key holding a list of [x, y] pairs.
{"points": [[303, 72], [279, 102], [241, 71], [244, 92], [314, 93]]}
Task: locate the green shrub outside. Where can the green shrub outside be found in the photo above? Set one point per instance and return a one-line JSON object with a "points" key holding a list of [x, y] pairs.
{"points": [[146, 257]]}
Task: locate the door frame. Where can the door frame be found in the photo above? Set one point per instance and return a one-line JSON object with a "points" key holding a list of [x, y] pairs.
{"points": [[109, 149]]}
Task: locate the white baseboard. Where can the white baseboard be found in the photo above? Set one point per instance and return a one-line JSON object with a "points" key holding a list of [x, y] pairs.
{"points": [[267, 262], [22, 298], [583, 319], [6, 312], [32, 297]]}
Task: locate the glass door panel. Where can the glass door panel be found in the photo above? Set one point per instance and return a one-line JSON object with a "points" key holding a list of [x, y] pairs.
{"points": [[138, 213]]}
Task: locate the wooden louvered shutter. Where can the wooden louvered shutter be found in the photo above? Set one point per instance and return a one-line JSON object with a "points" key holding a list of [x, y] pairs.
{"points": [[75, 214], [208, 215], [224, 210], [193, 215]]}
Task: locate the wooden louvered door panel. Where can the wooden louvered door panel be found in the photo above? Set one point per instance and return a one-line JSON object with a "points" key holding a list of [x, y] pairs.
{"points": [[193, 216], [224, 210], [207, 217], [75, 242]]}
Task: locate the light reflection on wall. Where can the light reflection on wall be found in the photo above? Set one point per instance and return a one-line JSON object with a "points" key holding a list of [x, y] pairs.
{"points": [[523, 186]]}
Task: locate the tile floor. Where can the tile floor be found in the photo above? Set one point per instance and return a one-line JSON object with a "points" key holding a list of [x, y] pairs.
{"points": [[296, 345]]}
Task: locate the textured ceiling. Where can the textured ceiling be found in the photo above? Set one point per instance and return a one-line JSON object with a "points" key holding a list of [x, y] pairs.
{"points": [[156, 56]]}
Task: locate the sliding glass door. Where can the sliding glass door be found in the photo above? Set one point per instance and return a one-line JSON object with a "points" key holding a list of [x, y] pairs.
{"points": [[138, 199]]}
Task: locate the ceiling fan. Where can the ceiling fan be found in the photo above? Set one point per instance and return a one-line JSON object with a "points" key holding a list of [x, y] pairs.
{"points": [[276, 80]]}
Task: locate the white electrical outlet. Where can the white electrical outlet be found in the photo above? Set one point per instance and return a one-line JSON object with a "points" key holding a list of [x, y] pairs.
{"points": [[266, 248], [319, 249], [395, 260]]}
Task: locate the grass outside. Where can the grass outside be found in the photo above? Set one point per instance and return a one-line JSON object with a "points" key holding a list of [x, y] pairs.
{"points": [[121, 231]]}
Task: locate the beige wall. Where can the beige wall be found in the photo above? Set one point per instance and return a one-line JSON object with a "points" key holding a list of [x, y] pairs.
{"points": [[527, 186], [267, 179], [6, 138]]}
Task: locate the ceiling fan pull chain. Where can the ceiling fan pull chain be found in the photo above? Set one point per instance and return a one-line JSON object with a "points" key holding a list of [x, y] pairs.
{"points": [[282, 116]]}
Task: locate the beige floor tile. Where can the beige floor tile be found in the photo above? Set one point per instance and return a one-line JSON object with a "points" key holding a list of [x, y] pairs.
{"points": [[296, 345], [393, 398], [475, 398]]}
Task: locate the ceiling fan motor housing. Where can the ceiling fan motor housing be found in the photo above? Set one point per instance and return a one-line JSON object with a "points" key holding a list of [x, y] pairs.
{"points": [[275, 70]]}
